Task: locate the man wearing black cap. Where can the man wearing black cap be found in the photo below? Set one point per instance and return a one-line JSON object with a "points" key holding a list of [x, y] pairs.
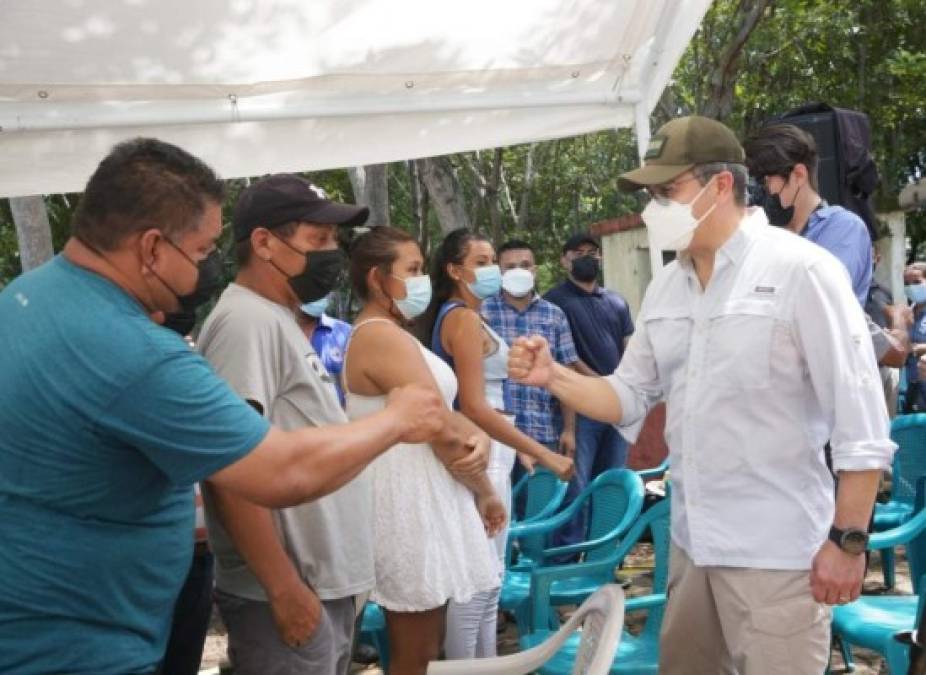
{"points": [[601, 326], [756, 342], [274, 567]]}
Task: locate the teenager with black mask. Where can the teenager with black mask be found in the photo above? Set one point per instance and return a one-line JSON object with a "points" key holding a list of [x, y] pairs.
{"points": [[601, 327], [783, 159]]}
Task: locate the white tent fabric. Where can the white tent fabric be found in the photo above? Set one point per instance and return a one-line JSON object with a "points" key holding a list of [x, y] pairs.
{"points": [[259, 86]]}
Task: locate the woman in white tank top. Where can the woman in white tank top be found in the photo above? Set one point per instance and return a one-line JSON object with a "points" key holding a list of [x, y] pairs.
{"points": [[464, 274], [433, 504]]}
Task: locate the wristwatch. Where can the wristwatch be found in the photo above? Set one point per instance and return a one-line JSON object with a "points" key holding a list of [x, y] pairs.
{"points": [[851, 540]]}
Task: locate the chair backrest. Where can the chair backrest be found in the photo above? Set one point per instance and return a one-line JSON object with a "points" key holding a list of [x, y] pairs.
{"points": [[601, 618], [609, 499], [909, 433], [544, 493], [543, 489], [916, 547]]}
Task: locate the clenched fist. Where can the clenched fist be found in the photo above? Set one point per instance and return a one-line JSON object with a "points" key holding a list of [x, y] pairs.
{"points": [[420, 411], [530, 362]]}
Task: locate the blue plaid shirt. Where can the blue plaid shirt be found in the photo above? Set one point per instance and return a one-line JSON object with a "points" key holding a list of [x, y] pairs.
{"points": [[535, 408]]}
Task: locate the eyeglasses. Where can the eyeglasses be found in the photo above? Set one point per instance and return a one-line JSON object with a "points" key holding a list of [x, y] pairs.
{"points": [[663, 193]]}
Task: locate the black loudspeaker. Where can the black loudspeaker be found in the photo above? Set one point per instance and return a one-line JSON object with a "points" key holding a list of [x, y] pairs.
{"points": [[847, 174]]}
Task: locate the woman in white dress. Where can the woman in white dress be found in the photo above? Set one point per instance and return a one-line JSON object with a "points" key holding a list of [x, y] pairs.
{"points": [[464, 274], [433, 504]]}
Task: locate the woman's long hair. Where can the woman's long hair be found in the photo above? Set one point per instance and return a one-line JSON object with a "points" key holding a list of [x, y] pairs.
{"points": [[452, 249]]}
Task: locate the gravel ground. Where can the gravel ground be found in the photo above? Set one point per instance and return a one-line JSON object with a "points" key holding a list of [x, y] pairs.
{"points": [[638, 567]]}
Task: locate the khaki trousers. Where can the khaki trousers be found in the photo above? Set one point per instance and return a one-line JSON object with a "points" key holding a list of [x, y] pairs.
{"points": [[729, 620]]}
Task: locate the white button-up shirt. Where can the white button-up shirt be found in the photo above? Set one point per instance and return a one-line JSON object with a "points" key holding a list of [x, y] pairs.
{"points": [[758, 370]]}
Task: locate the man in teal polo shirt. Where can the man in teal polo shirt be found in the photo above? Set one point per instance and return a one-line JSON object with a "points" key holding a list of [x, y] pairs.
{"points": [[109, 418]]}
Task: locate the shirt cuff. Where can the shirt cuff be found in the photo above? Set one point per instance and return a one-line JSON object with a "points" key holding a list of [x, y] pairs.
{"points": [[864, 456], [633, 407]]}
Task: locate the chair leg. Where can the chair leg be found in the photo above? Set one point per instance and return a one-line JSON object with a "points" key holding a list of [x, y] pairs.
{"points": [[846, 650], [888, 566], [897, 656]]}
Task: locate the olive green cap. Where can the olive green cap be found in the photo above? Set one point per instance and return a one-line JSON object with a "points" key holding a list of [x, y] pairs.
{"points": [[678, 146]]}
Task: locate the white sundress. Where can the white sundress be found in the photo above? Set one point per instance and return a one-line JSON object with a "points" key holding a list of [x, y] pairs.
{"points": [[429, 541]]}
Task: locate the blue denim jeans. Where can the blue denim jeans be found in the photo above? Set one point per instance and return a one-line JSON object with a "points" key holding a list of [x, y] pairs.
{"points": [[598, 448]]}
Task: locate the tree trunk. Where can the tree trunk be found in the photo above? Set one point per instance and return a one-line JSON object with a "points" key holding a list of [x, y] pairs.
{"points": [[371, 188], [446, 192], [723, 76], [32, 230], [524, 206]]}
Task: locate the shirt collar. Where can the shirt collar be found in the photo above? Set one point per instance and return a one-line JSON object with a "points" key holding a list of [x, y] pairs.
{"points": [[734, 248], [581, 291]]}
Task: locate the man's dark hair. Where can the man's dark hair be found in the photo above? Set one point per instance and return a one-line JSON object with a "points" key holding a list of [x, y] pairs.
{"points": [[141, 184], [514, 245], [777, 148], [244, 251]]}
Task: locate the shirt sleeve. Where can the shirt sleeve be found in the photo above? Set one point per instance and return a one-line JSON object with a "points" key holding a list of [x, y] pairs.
{"points": [[245, 351], [836, 344], [184, 419], [847, 238], [565, 348], [637, 384]]}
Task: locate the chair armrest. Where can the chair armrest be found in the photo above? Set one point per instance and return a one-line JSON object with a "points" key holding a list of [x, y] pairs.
{"points": [[525, 528], [898, 535], [644, 602], [655, 471]]}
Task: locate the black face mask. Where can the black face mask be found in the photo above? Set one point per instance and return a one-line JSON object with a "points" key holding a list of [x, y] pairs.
{"points": [[208, 283], [586, 268], [320, 275], [777, 214]]}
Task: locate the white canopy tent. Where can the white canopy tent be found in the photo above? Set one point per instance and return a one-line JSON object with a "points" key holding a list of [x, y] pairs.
{"points": [[260, 86]]}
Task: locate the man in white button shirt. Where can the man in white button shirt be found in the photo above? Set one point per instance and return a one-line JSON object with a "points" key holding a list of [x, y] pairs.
{"points": [[756, 342]]}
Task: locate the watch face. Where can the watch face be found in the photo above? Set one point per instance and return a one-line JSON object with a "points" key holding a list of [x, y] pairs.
{"points": [[854, 541]]}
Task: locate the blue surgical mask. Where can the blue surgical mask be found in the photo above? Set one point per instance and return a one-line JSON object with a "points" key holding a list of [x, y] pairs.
{"points": [[315, 308], [417, 296], [916, 293], [488, 282]]}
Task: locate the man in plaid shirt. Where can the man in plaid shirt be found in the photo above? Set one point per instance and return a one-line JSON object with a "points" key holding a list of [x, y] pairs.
{"points": [[519, 310]]}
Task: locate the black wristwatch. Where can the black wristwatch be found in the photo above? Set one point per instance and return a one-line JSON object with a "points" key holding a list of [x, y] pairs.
{"points": [[851, 540]]}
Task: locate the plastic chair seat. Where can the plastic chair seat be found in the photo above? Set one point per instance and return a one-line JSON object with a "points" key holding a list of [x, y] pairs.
{"points": [[634, 656], [871, 621], [891, 514]]}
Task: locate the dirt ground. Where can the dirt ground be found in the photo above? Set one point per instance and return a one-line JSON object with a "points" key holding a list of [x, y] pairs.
{"points": [[638, 567]]}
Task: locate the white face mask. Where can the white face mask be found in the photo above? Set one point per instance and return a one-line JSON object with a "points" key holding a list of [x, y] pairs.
{"points": [[518, 282], [672, 225]]}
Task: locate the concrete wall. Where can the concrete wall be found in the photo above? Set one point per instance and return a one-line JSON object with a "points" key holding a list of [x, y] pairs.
{"points": [[626, 263]]}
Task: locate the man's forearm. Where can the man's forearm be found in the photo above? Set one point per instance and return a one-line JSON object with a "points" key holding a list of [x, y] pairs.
{"points": [[590, 396], [855, 498], [292, 467], [252, 531]]}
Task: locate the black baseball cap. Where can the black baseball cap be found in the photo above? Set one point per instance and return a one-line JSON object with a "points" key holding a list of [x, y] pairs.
{"points": [[286, 198], [579, 238]]}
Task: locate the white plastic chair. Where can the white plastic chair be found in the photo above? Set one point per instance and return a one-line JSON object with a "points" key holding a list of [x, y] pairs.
{"points": [[601, 618]]}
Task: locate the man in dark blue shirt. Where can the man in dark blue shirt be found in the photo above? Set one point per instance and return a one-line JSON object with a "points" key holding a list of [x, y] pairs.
{"points": [[601, 326]]}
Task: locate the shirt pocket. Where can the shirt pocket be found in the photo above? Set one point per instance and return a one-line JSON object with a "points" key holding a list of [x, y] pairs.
{"points": [[669, 332], [739, 349]]}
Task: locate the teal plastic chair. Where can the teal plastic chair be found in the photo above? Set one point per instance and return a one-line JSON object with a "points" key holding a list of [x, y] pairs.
{"points": [[544, 494], [373, 632], [615, 499], [873, 621], [636, 654], [909, 432]]}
